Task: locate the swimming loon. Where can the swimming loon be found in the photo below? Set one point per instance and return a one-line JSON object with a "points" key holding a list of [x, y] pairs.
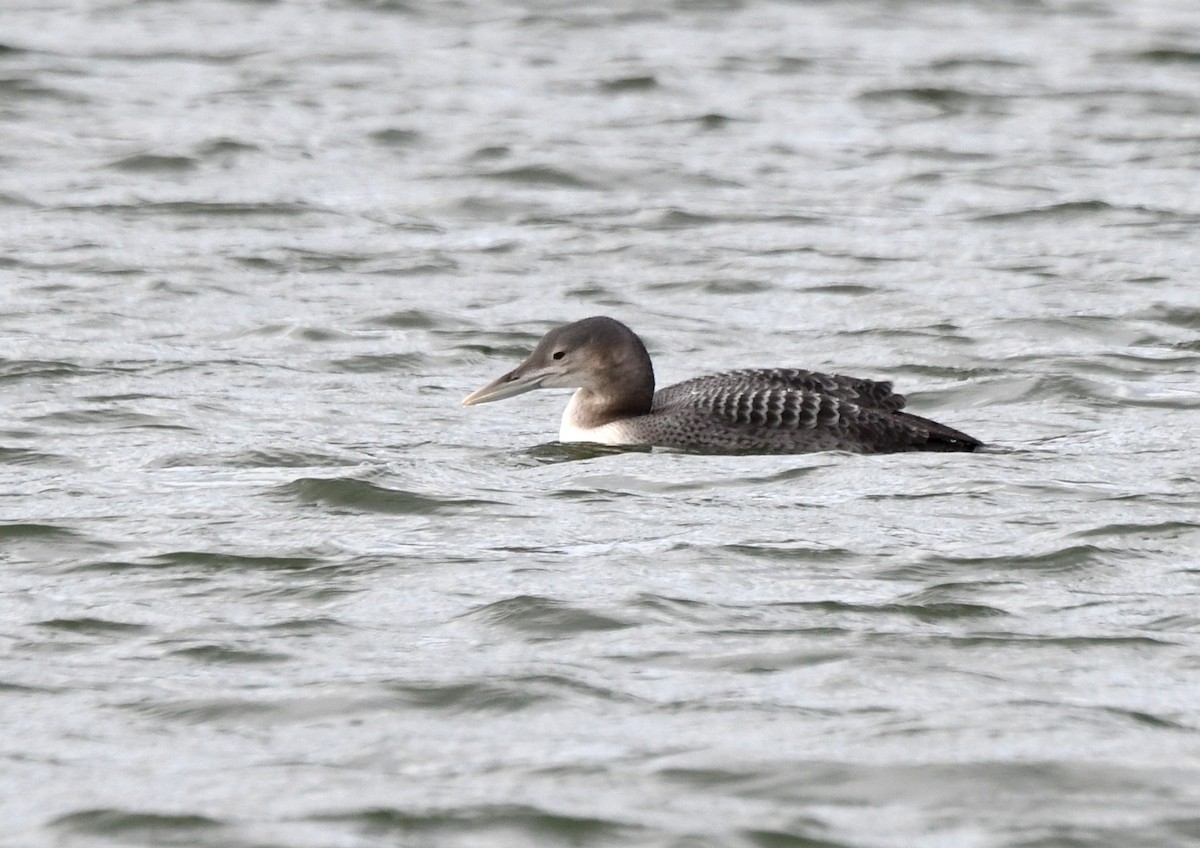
{"points": [[774, 410]]}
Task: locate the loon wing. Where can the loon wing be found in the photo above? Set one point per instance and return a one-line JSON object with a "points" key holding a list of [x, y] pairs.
{"points": [[833, 410]]}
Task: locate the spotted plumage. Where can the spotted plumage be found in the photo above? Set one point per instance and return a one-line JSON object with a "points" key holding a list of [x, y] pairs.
{"points": [[773, 410]]}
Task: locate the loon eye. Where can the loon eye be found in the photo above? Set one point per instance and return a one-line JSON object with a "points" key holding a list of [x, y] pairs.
{"points": [[559, 354]]}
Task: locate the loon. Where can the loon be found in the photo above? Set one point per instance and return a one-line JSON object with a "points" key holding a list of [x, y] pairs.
{"points": [[769, 411]]}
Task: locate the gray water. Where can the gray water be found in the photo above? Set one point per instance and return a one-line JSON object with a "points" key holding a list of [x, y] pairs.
{"points": [[265, 583]]}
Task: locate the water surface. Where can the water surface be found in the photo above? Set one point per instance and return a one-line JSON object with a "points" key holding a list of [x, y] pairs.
{"points": [[265, 583]]}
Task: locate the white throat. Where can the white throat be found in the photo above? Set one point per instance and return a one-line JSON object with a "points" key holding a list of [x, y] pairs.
{"points": [[613, 433]]}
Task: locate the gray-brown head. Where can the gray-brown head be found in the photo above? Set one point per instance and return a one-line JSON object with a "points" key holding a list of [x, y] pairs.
{"points": [[598, 354]]}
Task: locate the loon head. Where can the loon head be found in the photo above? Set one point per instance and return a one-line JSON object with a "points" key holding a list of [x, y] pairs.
{"points": [[599, 355]]}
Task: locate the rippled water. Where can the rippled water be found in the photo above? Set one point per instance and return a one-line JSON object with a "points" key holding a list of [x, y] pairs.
{"points": [[264, 583]]}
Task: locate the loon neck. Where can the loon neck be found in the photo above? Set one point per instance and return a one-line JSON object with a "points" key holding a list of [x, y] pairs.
{"points": [[617, 382], [589, 409]]}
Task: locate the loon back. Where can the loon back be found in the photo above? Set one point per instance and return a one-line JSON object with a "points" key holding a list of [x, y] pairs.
{"points": [[791, 410], [743, 386]]}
